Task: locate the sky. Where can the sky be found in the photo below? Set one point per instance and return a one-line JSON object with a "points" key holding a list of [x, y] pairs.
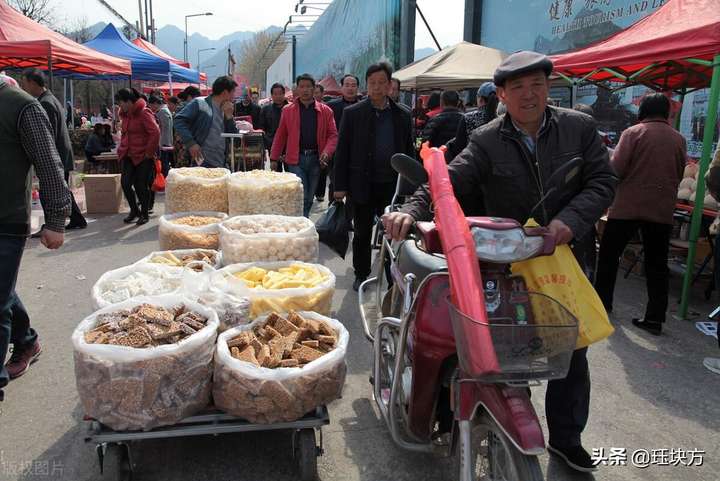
{"points": [[445, 17]]}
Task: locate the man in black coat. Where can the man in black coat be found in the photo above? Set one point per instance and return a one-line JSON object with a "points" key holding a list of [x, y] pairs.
{"points": [[270, 116], [33, 82], [349, 89], [370, 133], [508, 162], [441, 128], [245, 108]]}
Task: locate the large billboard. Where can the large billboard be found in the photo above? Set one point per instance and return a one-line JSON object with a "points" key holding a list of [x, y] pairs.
{"points": [[348, 37], [556, 26], [553, 26]]}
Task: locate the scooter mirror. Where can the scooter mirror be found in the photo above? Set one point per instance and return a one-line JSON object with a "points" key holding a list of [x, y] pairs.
{"points": [[409, 168], [565, 173]]}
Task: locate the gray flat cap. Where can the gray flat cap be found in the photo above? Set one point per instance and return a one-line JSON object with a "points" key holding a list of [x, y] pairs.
{"points": [[521, 63]]}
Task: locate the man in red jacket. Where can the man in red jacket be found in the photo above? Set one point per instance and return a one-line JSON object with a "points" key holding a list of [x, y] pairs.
{"points": [[138, 145], [308, 136]]}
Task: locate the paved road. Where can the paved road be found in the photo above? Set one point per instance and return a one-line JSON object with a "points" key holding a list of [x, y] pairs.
{"points": [[648, 392]]}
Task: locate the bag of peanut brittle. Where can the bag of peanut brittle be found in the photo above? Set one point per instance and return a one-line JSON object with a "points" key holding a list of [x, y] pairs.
{"points": [[252, 381], [145, 362]]}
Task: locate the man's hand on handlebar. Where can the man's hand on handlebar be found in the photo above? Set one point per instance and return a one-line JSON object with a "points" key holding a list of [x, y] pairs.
{"points": [[339, 195], [397, 225], [560, 231]]}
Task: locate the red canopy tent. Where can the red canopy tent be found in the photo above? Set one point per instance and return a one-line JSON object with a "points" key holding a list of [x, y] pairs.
{"points": [[676, 48], [331, 86], [145, 45], [25, 43], [671, 49]]}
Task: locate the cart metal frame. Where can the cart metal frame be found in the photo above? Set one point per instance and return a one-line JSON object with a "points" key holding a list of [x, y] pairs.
{"points": [[305, 447]]}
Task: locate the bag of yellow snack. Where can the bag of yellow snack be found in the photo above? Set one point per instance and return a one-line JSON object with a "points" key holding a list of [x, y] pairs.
{"points": [[279, 286], [559, 276]]}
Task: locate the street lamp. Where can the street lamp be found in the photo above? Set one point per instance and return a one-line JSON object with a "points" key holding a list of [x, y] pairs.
{"points": [[198, 54], [185, 56], [304, 7]]}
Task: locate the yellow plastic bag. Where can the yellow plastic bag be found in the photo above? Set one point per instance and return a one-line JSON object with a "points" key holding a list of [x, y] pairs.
{"points": [[559, 276]]}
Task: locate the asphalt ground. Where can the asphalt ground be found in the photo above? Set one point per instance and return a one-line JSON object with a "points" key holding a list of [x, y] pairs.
{"points": [[648, 392]]}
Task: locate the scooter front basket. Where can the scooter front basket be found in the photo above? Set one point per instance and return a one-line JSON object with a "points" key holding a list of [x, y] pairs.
{"points": [[533, 335]]}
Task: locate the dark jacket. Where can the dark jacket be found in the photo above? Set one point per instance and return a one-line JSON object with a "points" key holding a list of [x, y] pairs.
{"points": [[498, 165], [442, 127], [338, 106], [469, 122], [269, 121], [251, 110], [56, 115], [354, 162]]}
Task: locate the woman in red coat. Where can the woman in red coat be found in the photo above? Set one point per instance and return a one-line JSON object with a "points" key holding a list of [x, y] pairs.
{"points": [[138, 146]]}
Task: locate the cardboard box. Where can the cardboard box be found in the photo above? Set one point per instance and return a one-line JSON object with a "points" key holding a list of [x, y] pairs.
{"points": [[103, 194]]}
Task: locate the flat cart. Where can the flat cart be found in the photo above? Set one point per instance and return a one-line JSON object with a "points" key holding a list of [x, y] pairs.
{"points": [[114, 452], [247, 151]]}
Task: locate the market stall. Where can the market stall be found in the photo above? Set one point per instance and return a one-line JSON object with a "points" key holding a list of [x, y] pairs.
{"points": [[25, 43], [226, 329], [145, 65], [675, 49], [461, 66]]}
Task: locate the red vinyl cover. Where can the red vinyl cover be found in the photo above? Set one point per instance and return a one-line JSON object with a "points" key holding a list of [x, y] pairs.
{"points": [[463, 266]]}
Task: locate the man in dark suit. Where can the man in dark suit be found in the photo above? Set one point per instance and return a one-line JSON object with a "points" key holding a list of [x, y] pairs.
{"points": [[349, 89], [371, 131], [33, 82]]}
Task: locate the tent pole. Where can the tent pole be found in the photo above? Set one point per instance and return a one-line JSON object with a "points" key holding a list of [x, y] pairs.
{"points": [[679, 114], [170, 83], [112, 93], [700, 192], [50, 73], [72, 105]]}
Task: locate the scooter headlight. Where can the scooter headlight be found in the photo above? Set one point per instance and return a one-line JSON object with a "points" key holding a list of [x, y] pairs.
{"points": [[505, 246]]}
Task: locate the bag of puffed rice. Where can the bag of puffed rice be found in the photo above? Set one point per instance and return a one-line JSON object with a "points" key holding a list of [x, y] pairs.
{"points": [[190, 230], [196, 189]]}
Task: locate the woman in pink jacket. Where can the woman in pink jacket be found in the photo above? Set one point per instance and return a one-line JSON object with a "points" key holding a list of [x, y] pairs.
{"points": [[138, 146], [649, 162]]}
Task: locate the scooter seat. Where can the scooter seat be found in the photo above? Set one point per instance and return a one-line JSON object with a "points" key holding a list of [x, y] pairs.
{"points": [[412, 259]]}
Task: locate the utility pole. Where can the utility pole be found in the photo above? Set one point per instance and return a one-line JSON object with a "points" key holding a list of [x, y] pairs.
{"points": [[142, 25]]}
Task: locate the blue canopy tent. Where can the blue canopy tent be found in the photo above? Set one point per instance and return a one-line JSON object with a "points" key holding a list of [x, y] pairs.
{"points": [[145, 66]]}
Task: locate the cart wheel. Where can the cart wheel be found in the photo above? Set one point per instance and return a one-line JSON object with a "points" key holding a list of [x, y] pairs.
{"points": [[306, 453], [116, 465]]}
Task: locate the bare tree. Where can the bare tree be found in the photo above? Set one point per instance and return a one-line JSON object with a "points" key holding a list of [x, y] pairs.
{"points": [[38, 10], [77, 30], [254, 54]]}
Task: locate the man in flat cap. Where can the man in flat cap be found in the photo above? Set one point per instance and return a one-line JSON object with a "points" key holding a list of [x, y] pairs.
{"points": [[508, 162]]}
